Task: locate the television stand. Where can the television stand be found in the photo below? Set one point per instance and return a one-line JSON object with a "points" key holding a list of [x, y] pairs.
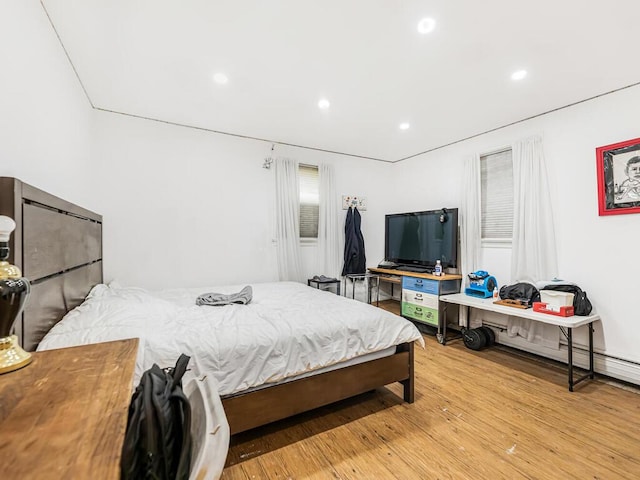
{"points": [[420, 300]]}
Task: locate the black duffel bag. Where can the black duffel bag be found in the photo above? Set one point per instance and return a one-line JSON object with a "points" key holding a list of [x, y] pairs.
{"points": [[581, 304], [522, 291]]}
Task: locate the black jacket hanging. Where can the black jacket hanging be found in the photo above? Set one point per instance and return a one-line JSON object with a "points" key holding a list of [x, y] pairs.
{"points": [[349, 241], [360, 260], [354, 257]]}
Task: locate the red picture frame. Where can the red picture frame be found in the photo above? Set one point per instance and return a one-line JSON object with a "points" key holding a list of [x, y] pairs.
{"points": [[618, 169]]}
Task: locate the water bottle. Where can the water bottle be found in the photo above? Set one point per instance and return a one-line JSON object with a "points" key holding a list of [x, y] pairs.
{"points": [[437, 271]]}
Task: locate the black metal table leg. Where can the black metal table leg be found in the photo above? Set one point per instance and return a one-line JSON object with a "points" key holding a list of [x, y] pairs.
{"points": [[591, 369], [441, 336], [570, 344], [591, 372]]}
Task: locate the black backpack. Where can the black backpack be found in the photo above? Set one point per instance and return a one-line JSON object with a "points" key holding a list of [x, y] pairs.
{"points": [[522, 291], [581, 304], [157, 443]]}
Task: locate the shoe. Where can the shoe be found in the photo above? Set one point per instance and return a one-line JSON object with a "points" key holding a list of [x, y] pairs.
{"points": [[322, 278]]}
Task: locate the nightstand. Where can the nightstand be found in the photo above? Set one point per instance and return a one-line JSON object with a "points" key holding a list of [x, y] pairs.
{"points": [[65, 414], [326, 284]]}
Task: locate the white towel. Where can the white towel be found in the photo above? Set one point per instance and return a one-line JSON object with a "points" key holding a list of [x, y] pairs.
{"points": [[219, 299]]}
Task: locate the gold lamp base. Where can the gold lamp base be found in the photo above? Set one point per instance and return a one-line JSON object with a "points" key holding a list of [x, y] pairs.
{"points": [[12, 356]]}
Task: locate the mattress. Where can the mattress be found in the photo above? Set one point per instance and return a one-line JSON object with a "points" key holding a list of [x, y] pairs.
{"points": [[287, 330]]}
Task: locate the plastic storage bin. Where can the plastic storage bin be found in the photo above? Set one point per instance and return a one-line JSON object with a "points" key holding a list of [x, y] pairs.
{"points": [[424, 285], [420, 313], [555, 298]]}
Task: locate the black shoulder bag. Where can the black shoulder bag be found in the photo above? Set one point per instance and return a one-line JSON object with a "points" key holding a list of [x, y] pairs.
{"points": [[581, 304]]}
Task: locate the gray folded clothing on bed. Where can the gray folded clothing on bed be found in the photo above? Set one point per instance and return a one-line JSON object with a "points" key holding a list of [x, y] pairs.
{"points": [[219, 299]]}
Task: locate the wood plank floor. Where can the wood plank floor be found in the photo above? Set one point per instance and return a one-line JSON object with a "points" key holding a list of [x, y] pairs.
{"points": [[494, 414]]}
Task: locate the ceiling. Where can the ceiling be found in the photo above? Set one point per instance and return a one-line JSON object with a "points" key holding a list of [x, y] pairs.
{"points": [[157, 58]]}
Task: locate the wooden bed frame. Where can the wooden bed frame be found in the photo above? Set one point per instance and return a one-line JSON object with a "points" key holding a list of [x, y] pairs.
{"points": [[245, 411], [58, 246]]}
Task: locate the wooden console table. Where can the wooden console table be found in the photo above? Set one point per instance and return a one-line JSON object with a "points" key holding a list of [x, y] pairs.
{"points": [[566, 325], [65, 414]]}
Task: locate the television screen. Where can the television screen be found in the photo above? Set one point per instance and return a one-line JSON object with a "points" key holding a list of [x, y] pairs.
{"points": [[421, 238]]}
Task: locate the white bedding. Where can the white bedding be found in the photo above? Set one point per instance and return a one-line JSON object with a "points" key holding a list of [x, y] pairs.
{"points": [[287, 329]]}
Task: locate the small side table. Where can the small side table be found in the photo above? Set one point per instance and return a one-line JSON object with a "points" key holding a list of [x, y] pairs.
{"points": [[328, 283], [65, 414], [367, 277]]}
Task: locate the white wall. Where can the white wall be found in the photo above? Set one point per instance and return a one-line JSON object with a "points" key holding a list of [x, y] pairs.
{"points": [[44, 114], [195, 208], [594, 251]]}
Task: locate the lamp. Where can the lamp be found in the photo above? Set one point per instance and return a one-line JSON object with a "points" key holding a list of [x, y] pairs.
{"points": [[14, 290]]}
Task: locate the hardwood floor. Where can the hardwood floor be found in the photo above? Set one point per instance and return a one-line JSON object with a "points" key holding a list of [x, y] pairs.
{"points": [[392, 306], [494, 414]]}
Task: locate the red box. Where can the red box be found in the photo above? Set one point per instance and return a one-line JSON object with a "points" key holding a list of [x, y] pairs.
{"points": [[561, 311]]}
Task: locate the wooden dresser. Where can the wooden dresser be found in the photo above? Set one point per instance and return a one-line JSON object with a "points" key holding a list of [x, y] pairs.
{"points": [[64, 416]]}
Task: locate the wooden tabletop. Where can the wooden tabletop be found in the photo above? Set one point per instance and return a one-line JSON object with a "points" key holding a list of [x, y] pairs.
{"points": [[387, 271], [65, 414]]}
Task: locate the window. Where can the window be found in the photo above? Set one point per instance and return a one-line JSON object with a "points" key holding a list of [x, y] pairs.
{"points": [[496, 180], [309, 201]]}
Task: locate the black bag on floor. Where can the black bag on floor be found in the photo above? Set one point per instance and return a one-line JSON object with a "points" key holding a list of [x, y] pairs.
{"points": [[581, 304], [157, 443]]}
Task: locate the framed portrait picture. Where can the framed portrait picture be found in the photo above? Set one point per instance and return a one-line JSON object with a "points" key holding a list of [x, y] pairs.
{"points": [[619, 178]]}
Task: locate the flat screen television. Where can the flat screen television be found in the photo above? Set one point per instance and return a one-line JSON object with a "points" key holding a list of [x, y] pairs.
{"points": [[421, 238]]}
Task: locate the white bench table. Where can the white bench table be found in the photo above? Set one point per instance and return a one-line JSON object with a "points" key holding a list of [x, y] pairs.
{"points": [[566, 325]]}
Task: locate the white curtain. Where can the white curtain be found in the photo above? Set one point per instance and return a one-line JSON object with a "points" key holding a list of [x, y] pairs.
{"points": [[329, 250], [470, 234], [533, 254], [288, 219]]}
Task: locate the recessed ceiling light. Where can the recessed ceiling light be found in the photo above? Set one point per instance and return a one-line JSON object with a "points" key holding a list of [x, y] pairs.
{"points": [[220, 78], [404, 126], [323, 103], [519, 75], [426, 25]]}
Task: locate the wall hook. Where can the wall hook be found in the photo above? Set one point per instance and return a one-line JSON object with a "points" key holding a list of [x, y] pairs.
{"points": [[269, 160]]}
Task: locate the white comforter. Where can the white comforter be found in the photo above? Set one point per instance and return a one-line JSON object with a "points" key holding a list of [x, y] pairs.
{"points": [[287, 329]]}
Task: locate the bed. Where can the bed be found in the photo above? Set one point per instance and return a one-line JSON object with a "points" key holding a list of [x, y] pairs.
{"points": [[347, 356], [285, 334]]}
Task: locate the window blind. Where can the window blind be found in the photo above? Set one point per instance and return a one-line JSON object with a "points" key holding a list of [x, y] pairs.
{"points": [[309, 201], [496, 177]]}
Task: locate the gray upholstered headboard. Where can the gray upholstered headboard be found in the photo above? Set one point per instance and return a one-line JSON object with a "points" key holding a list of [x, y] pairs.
{"points": [[58, 247]]}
